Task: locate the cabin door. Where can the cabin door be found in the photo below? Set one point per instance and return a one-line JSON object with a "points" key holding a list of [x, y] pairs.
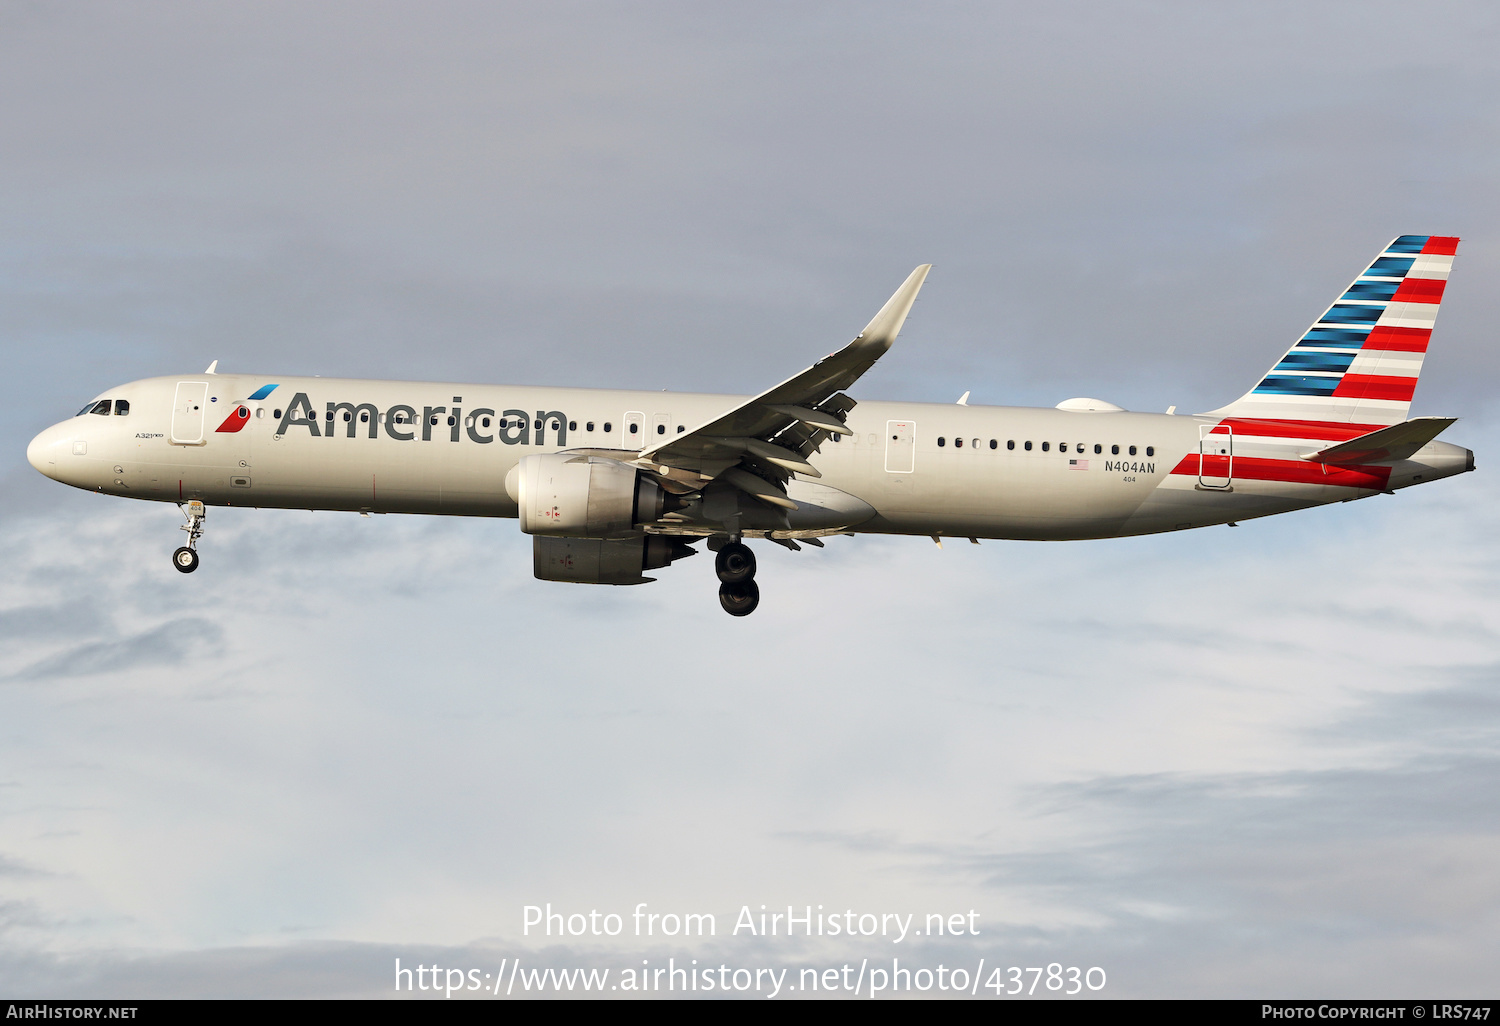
{"points": [[188, 412], [900, 446], [1215, 455]]}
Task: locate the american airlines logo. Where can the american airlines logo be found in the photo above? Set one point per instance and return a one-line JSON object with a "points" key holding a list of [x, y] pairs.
{"points": [[402, 422]]}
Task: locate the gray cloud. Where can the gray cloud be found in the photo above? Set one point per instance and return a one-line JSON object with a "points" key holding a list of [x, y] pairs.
{"points": [[167, 645]]}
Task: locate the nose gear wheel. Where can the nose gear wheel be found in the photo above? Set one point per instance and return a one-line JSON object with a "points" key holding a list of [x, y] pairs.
{"points": [[185, 559]]}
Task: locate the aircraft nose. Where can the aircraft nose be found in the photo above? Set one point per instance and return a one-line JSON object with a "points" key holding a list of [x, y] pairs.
{"points": [[42, 454]]}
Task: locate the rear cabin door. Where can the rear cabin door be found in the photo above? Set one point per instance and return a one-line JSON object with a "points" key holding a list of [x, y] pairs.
{"points": [[188, 413], [900, 446], [1215, 455]]}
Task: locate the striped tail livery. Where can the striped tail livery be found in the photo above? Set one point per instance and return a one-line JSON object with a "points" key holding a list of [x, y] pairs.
{"points": [[1358, 363]]}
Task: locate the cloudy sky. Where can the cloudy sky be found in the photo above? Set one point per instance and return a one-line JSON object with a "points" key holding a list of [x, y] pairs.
{"points": [[1225, 763]]}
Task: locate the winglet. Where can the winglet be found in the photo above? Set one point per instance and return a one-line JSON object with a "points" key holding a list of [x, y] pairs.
{"points": [[882, 330], [213, 368]]}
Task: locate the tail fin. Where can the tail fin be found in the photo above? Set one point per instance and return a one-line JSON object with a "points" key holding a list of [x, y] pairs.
{"points": [[1359, 362]]}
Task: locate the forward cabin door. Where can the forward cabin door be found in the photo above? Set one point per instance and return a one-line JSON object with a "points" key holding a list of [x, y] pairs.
{"points": [[1215, 456], [188, 413], [900, 446]]}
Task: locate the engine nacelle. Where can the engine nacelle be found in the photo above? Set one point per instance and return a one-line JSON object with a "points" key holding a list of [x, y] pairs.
{"points": [[604, 560], [569, 495]]}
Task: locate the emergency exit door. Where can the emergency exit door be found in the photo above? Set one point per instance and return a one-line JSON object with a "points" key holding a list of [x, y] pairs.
{"points": [[900, 446]]}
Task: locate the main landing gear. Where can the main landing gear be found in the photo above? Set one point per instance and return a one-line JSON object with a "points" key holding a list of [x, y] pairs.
{"points": [[185, 558], [738, 592]]}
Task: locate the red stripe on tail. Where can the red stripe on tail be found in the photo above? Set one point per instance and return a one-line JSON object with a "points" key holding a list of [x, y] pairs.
{"points": [[1248, 468], [1399, 340], [1375, 386], [1420, 290], [1320, 430]]}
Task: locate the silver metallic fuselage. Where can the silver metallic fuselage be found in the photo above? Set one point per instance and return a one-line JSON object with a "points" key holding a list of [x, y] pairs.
{"points": [[1086, 484]]}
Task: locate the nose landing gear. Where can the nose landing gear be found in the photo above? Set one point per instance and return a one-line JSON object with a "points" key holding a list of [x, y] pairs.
{"points": [[185, 559], [738, 592]]}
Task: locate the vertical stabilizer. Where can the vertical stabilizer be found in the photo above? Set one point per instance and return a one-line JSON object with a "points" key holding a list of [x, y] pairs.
{"points": [[1360, 361]]}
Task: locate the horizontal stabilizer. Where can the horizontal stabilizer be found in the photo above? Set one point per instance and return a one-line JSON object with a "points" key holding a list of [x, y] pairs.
{"points": [[1387, 445]]}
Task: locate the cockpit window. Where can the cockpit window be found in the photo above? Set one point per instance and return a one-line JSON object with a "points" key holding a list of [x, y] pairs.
{"points": [[122, 407], [101, 408]]}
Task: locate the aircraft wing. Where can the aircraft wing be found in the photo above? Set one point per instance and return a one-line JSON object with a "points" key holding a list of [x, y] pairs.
{"points": [[756, 445], [1387, 445]]}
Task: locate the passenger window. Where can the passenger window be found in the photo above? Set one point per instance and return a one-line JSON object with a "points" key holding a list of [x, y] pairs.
{"points": [[276, 414], [348, 417], [941, 441], [101, 408], [572, 425], [994, 444], [633, 428], [329, 416], [556, 425], [1010, 443], [661, 429], [1046, 446], [485, 422], [1150, 450], [608, 427], [1062, 446], [1028, 446], [1114, 450], [958, 443], [680, 427], [260, 412], [1132, 450], [122, 408], [535, 426], [364, 418], [589, 426]]}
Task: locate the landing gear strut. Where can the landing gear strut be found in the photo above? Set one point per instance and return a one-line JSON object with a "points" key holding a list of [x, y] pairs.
{"points": [[185, 558], [735, 565]]}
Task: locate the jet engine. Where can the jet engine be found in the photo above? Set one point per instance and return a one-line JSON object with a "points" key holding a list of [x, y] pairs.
{"points": [[605, 560], [574, 495]]}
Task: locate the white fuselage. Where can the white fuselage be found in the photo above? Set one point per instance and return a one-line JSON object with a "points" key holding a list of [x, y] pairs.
{"points": [[920, 468]]}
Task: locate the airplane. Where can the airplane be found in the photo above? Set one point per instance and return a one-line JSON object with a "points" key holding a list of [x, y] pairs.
{"points": [[611, 484]]}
